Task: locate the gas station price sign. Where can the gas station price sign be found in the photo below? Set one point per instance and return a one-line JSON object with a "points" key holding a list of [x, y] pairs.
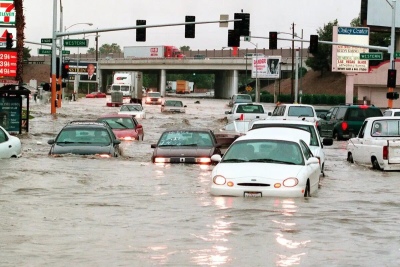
{"points": [[8, 63]]}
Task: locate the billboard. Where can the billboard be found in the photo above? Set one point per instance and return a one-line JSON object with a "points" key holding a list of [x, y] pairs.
{"points": [[87, 71], [347, 58], [378, 13], [7, 12], [266, 67]]}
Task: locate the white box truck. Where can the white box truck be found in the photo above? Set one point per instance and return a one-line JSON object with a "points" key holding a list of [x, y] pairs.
{"points": [[129, 83]]}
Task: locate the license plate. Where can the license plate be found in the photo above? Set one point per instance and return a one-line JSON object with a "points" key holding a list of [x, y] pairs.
{"points": [[252, 194]]}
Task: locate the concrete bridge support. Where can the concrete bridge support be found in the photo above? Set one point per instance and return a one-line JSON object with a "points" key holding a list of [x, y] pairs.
{"points": [[226, 83]]}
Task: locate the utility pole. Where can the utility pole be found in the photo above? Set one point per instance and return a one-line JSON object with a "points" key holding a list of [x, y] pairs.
{"points": [[291, 78]]}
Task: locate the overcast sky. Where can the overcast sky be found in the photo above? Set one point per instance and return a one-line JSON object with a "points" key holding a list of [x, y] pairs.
{"points": [[265, 16]]}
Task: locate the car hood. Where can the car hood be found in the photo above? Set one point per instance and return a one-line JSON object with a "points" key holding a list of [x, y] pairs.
{"points": [[190, 151], [256, 170], [81, 149]]}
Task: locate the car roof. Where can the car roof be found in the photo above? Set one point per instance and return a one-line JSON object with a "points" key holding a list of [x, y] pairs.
{"points": [[188, 130], [269, 121], [278, 134], [384, 118], [392, 109], [86, 124], [296, 105]]}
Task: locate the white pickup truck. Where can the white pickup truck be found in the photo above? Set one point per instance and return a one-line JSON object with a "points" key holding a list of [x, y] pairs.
{"points": [[246, 111], [377, 143]]}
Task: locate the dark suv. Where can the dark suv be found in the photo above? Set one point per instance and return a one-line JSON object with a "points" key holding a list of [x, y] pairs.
{"points": [[344, 121]]}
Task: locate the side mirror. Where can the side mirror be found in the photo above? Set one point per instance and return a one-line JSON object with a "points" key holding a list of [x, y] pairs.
{"points": [[312, 160], [139, 126], [117, 142], [185, 106], [51, 141], [153, 145], [269, 113], [323, 116], [216, 158], [227, 112], [327, 141]]}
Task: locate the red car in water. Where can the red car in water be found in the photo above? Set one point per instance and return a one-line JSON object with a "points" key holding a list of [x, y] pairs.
{"points": [[124, 126], [96, 95]]}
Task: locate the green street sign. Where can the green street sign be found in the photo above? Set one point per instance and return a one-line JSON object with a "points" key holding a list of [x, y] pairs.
{"points": [[66, 52], [371, 56], [46, 41], [76, 42], [44, 51], [397, 54]]}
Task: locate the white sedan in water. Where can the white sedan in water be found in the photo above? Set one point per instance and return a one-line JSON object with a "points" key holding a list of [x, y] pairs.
{"points": [[134, 109], [10, 146], [270, 162]]}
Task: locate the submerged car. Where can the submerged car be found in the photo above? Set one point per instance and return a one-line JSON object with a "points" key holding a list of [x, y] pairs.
{"points": [[269, 162], [10, 146], [230, 132], [153, 98], [85, 138], [96, 95], [124, 126], [134, 109], [173, 106], [185, 146]]}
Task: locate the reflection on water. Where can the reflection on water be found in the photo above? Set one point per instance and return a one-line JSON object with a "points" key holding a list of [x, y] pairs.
{"points": [[85, 211]]}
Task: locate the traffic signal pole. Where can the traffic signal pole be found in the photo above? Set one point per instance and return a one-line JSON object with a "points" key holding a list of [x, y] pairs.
{"points": [[392, 48], [53, 61]]}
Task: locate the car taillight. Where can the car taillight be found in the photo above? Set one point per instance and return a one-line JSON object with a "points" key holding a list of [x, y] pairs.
{"points": [[344, 126], [385, 152]]}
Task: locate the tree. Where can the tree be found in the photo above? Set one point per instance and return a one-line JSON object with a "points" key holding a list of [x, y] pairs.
{"points": [[106, 49], [26, 53], [185, 48], [321, 61], [20, 25]]}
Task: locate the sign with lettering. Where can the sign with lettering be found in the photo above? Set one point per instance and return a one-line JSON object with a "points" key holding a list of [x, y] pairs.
{"points": [[265, 67], [371, 56], [347, 58], [46, 40], [8, 63], [10, 113], [7, 12], [76, 42]]}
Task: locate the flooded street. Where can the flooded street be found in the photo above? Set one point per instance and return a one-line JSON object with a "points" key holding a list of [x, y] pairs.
{"points": [[127, 211]]}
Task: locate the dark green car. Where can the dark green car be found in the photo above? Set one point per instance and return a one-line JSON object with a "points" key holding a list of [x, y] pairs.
{"points": [[344, 121]]}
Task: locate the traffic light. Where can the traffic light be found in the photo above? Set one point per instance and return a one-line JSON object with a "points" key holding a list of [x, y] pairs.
{"points": [[313, 44], [190, 28], [243, 26], [65, 71], [391, 79], [233, 38], [9, 40], [273, 40], [392, 95], [140, 33]]}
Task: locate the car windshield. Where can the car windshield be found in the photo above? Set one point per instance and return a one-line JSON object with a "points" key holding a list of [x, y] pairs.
{"points": [[131, 108], [124, 88], [119, 123], [174, 103], [154, 94], [84, 136], [243, 97], [186, 138], [301, 111], [266, 151], [116, 88]]}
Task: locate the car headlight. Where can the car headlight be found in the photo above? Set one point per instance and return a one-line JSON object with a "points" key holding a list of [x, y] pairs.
{"points": [[161, 160], [127, 138], [290, 182], [203, 160], [219, 180]]}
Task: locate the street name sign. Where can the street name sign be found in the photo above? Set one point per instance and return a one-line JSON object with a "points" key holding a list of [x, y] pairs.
{"points": [[42, 51], [371, 56], [46, 40], [76, 42], [397, 54]]}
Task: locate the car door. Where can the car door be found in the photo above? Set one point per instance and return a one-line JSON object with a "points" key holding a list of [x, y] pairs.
{"points": [[326, 124], [357, 145], [5, 146]]}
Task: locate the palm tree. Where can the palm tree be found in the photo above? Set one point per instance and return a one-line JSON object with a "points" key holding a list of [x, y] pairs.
{"points": [[20, 25]]}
